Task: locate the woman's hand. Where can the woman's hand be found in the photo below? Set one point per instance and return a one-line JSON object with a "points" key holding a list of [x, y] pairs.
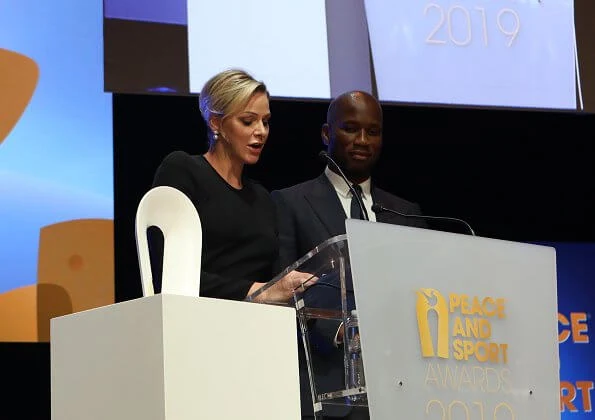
{"points": [[282, 291]]}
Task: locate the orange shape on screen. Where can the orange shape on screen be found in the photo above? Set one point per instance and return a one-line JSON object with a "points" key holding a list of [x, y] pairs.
{"points": [[18, 309], [75, 272], [78, 256], [27, 311], [18, 78]]}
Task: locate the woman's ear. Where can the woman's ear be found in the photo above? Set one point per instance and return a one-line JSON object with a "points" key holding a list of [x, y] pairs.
{"points": [[215, 124]]}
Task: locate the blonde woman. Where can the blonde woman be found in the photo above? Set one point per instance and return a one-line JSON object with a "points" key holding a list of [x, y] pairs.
{"points": [[240, 244]]}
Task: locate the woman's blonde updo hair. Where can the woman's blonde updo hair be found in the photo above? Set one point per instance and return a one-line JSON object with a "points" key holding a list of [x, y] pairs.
{"points": [[226, 93]]}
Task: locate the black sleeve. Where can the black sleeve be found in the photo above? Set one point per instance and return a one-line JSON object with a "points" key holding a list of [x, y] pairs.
{"points": [[214, 285], [176, 171], [287, 233]]}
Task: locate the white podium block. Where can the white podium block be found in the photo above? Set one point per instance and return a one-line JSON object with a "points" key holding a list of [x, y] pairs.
{"points": [[167, 357]]}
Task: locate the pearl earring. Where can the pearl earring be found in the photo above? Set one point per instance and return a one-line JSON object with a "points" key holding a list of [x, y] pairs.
{"points": [[215, 135]]}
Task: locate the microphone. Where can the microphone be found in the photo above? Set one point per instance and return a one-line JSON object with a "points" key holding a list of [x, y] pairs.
{"points": [[379, 208], [326, 157]]}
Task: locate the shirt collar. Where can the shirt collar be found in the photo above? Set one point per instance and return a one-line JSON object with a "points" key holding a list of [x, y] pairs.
{"points": [[341, 187]]}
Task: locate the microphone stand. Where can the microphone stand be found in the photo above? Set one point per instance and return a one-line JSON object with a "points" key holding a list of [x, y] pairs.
{"points": [[379, 208]]}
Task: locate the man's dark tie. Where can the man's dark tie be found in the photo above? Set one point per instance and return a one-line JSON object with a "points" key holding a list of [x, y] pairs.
{"points": [[356, 211]]}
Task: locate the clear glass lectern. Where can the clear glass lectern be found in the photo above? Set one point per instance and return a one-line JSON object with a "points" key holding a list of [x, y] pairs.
{"points": [[414, 291], [324, 307]]}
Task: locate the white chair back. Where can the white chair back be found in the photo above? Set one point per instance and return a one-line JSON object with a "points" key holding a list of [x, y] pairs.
{"points": [[173, 213]]}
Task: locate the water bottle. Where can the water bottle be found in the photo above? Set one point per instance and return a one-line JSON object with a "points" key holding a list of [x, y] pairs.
{"points": [[355, 366]]}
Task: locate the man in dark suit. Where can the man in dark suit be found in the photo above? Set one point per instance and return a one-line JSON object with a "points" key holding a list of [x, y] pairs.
{"points": [[311, 212]]}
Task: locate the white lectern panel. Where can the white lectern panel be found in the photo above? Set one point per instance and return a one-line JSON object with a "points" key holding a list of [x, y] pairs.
{"points": [[454, 326]]}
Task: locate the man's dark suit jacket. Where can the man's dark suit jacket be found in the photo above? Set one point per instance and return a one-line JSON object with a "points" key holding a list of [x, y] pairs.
{"points": [[308, 214]]}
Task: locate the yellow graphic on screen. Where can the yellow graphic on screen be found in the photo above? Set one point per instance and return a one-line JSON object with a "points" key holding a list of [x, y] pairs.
{"points": [[75, 272], [18, 79], [423, 309]]}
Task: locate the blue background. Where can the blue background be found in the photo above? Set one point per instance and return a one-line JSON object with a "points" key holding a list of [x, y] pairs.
{"points": [[576, 293], [57, 163]]}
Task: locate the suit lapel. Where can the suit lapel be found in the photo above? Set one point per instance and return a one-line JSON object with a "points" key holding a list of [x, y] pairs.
{"points": [[323, 200]]}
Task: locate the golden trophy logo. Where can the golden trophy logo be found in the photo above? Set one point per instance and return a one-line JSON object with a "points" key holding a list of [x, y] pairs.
{"points": [[423, 309], [463, 326], [460, 355]]}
